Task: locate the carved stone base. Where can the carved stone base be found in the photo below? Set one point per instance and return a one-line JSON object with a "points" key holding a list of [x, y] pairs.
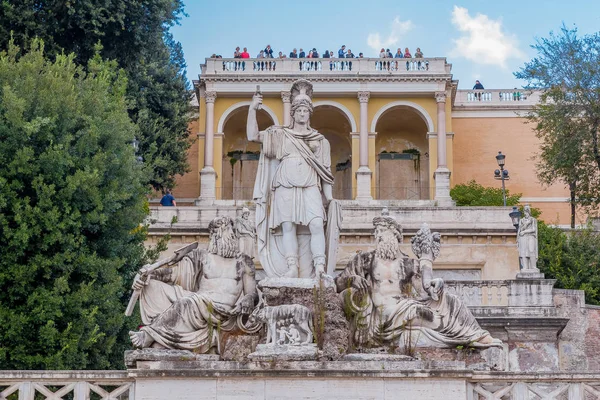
{"points": [[334, 332], [363, 184], [265, 352], [208, 177], [442, 188], [133, 356], [530, 274]]}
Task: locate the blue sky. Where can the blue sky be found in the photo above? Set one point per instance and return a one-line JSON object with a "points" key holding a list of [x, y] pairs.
{"points": [[482, 39]]}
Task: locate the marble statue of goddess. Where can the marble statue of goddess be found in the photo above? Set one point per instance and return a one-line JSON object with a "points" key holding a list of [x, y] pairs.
{"points": [[527, 240], [293, 180]]}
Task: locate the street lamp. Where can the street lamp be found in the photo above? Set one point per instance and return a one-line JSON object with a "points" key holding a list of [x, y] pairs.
{"points": [[502, 174], [515, 216]]}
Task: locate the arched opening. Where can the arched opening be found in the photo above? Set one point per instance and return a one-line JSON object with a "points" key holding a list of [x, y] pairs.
{"points": [[240, 157], [335, 126], [402, 151]]}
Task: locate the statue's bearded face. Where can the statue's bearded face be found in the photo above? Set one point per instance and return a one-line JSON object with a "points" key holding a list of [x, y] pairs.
{"points": [[387, 244], [223, 241], [301, 115]]}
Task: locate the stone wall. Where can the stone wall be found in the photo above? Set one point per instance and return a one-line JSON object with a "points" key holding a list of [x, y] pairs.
{"points": [[478, 242]]}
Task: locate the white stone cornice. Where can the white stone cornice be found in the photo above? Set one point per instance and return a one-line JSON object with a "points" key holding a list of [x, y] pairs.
{"points": [[356, 135], [433, 135], [440, 97], [363, 96], [210, 96], [219, 134], [286, 96]]}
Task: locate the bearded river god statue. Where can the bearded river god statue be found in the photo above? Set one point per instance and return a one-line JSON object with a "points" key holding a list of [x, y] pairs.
{"points": [[187, 305], [393, 299], [293, 180]]}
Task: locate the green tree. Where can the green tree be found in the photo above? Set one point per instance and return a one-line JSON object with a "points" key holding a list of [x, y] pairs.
{"points": [[567, 73], [71, 204], [136, 34], [572, 258], [474, 194]]}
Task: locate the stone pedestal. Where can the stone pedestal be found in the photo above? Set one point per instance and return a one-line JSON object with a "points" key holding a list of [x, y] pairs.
{"points": [[363, 184], [442, 187], [208, 178], [530, 274], [331, 326], [264, 352]]}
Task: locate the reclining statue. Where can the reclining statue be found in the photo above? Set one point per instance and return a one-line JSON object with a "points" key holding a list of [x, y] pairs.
{"points": [[186, 306], [394, 300]]}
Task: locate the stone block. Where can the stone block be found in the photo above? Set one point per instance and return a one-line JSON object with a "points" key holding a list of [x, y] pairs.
{"points": [[533, 357], [238, 347], [132, 357], [266, 352], [335, 330]]}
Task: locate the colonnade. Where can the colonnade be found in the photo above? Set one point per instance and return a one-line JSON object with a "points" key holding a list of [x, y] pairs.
{"points": [[364, 175]]}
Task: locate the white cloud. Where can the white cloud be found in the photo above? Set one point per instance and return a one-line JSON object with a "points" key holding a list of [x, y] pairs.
{"points": [[483, 40], [399, 28]]}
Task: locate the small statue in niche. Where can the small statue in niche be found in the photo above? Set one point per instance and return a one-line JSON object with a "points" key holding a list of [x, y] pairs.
{"points": [[390, 295], [246, 233]]}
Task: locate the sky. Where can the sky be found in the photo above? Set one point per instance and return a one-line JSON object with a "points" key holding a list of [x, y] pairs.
{"points": [[482, 39]]}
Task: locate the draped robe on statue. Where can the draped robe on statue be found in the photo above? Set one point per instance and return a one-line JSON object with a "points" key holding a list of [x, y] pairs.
{"points": [[179, 312], [446, 322], [288, 188]]}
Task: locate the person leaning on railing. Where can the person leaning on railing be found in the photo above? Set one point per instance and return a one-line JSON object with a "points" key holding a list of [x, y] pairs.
{"points": [[478, 86]]}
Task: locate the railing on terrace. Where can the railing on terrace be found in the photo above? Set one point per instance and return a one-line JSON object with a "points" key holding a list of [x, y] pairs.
{"points": [[495, 97], [403, 192], [56, 385], [273, 66], [480, 293]]}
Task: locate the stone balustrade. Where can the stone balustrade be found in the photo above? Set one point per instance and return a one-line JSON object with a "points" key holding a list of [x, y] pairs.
{"points": [[351, 66], [333, 380], [503, 293], [480, 292], [56, 385], [496, 97]]}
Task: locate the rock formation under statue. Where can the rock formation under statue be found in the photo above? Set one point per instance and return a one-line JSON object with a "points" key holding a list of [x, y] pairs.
{"points": [[293, 177], [393, 300], [187, 306]]}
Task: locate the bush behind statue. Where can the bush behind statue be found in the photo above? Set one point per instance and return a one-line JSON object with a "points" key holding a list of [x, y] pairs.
{"points": [[71, 205], [474, 194]]}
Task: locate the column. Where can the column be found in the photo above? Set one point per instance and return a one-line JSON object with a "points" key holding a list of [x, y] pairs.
{"points": [[442, 173], [363, 174], [208, 175], [287, 108]]}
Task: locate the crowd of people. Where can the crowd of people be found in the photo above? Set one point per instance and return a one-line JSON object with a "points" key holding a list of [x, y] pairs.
{"points": [[313, 53], [342, 53]]}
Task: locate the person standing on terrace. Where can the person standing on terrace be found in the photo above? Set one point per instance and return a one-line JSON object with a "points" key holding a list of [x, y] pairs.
{"points": [[294, 54]]}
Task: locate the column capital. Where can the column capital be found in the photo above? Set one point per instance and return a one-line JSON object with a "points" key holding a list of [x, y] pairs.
{"points": [[363, 97], [286, 96], [440, 97], [210, 96]]}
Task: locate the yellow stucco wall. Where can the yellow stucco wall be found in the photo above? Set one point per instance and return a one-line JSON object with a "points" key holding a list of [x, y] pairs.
{"points": [[477, 142]]}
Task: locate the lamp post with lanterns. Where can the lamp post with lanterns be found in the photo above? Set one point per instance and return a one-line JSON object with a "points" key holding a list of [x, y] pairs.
{"points": [[502, 174]]}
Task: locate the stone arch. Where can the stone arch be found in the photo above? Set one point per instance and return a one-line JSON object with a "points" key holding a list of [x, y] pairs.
{"points": [[340, 107], [421, 112], [227, 114]]}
